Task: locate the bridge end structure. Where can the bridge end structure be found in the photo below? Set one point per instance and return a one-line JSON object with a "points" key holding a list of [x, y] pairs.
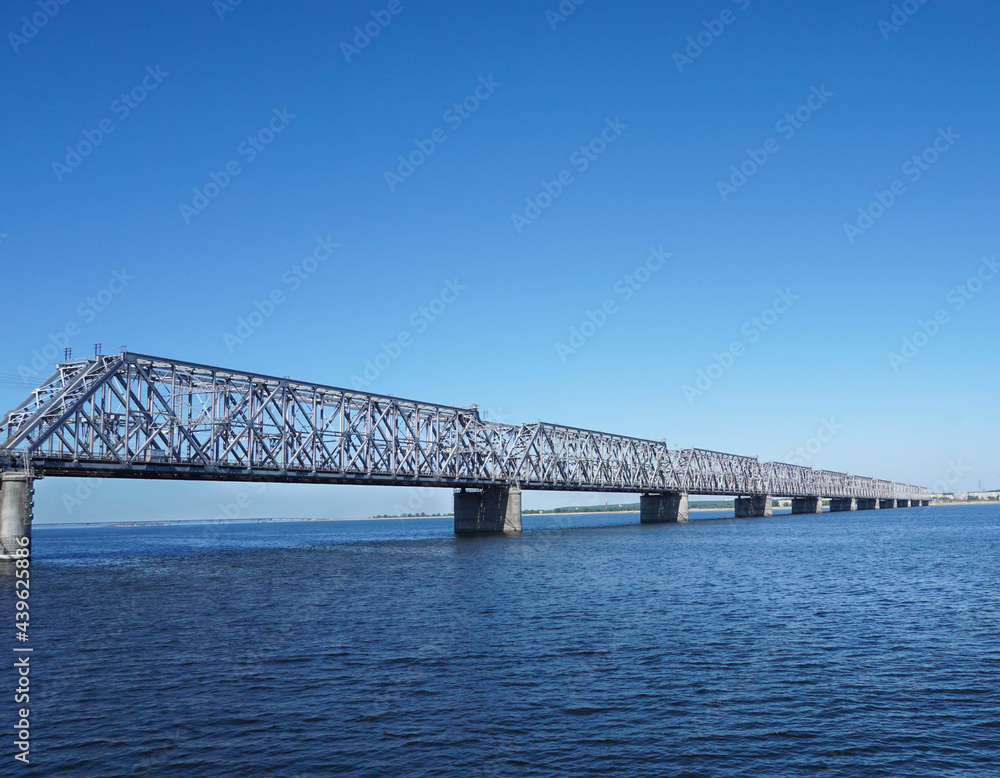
{"points": [[754, 507], [663, 508], [16, 502], [490, 510], [807, 505]]}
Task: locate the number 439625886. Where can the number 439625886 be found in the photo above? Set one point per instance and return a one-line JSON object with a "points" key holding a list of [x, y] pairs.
{"points": [[22, 584]]}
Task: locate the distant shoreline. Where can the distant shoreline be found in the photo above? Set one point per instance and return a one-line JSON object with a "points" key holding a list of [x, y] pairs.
{"points": [[192, 522], [215, 521]]}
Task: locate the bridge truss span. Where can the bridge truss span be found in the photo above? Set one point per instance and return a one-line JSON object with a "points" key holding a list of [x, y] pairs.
{"points": [[132, 415]]}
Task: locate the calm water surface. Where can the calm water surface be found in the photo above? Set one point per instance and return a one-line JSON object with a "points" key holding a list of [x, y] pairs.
{"points": [[843, 644]]}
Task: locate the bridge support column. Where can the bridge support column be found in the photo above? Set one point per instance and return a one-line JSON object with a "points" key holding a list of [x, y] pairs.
{"points": [[754, 507], [15, 511], [866, 504], [807, 505], [842, 504], [902, 503], [883, 504], [924, 503], [493, 509], [663, 508]]}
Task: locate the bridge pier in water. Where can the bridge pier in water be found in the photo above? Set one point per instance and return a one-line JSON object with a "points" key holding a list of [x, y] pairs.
{"points": [[867, 504], [902, 503], [842, 504], [754, 507], [663, 508], [807, 505], [15, 511], [492, 509], [884, 504]]}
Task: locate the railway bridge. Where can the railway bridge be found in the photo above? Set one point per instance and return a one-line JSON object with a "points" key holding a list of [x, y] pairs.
{"points": [[130, 415]]}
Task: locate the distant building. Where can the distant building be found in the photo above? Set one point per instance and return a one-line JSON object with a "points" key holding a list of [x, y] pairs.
{"points": [[965, 496]]}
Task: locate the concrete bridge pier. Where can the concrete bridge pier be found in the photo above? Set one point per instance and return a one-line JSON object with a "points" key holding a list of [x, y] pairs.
{"points": [[902, 503], [754, 507], [883, 504], [663, 508], [866, 504], [16, 502], [492, 509], [924, 503], [842, 504], [807, 505]]}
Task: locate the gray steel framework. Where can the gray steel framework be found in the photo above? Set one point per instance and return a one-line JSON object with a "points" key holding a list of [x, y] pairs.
{"points": [[135, 416]]}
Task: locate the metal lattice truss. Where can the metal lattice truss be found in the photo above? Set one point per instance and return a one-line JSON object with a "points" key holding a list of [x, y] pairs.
{"points": [[130, 415]]}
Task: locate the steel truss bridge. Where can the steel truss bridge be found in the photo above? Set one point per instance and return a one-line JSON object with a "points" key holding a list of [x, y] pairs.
{"points": [[135, 416]]}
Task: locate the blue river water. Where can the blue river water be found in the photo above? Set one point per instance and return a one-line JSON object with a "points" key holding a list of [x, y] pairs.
{"points": [[842, 644]]}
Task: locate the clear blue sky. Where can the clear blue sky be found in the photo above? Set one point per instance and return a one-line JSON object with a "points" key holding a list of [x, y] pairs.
{"points": [[186, 93]]}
